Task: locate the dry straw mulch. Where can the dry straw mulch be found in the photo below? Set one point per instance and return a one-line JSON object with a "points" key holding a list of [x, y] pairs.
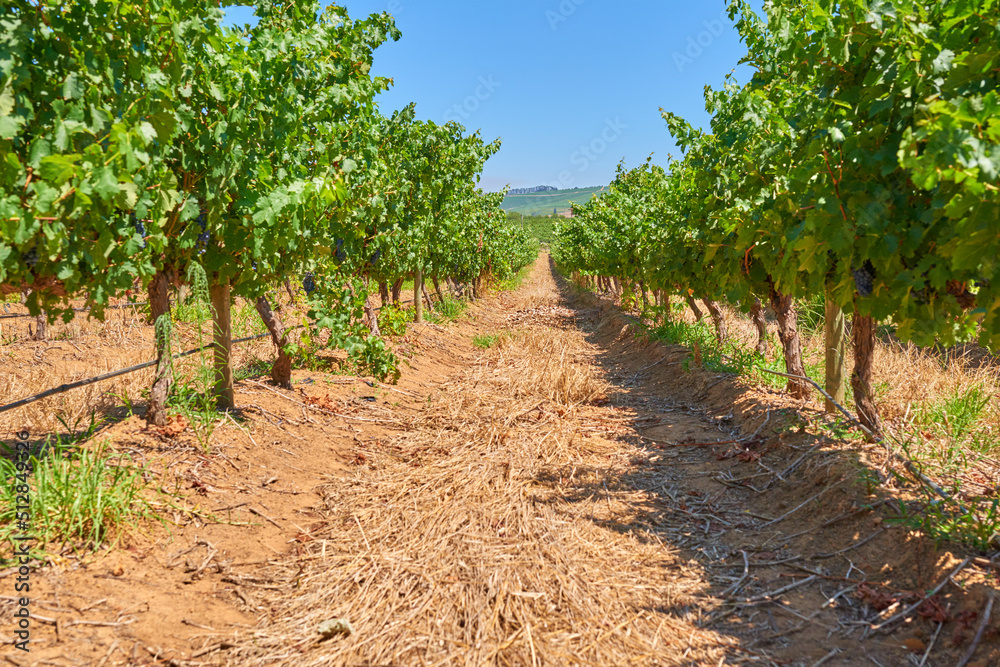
{"points": [[482, 533]]}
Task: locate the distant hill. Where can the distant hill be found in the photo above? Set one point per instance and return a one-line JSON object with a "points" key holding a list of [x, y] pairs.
{"points": [[545, 202]]}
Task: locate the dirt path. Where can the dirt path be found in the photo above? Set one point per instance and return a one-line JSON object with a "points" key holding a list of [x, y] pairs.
{"points": [[554, 499]]}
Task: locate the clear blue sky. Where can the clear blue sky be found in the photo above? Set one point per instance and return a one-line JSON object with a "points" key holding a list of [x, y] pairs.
{"points": [[571, 86]]}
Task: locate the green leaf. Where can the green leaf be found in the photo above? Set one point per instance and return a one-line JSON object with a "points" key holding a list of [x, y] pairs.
{"points": [[106, 184], [72, 86], [58, 169], [147, 132], [10, 126]]}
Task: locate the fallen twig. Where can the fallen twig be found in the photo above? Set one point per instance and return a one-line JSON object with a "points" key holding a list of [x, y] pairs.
{"points": [[246, 432], [937, 589], [836, 519], [211, 649], [705, 444], [853, 546], [797, 508], [927, 653], [780, 591], [746, 573], [983, 624], [987, 563], [826, 657], [253, 510], [324, 411]]}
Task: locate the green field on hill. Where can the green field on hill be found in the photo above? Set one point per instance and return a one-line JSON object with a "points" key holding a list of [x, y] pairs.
{"points": [[542, 228], [544, 203]]}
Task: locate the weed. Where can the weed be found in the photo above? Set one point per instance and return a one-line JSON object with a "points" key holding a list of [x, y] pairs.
{"points": [[838, 427], [252, 369], [869, 478], [74, 434], [630, 298], [812, 314], [307, 354], [976, 522], [701, 338], [125, 400], [515, 281], [485, 341], [448, 310], [371, 356], [194, 392], [81, 497], [392, 320], [960, 411]]}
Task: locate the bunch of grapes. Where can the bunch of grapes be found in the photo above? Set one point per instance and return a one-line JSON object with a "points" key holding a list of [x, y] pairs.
{"points": [[864, 279], [140, 229], [375, 257], [309, 283], [340, 254], [204, 237], [31, 258]]}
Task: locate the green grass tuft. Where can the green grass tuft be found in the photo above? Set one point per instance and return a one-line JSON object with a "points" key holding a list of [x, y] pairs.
{"points": [[485, 341], [84, 498], [515, 281], [448, 311]]}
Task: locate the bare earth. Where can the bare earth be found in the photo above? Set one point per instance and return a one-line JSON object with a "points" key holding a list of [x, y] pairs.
{"points": [[557, 499]]}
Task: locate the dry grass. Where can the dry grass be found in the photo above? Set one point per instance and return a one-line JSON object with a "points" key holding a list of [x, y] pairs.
{"points": [[487, 531], [85, 348], [536, 364], [914, 388], [908, 378]]}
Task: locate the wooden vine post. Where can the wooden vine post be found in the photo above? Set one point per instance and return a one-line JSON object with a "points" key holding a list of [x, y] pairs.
{"points": [[760, 323], [223, 328], [836, 345], [418, 299]]}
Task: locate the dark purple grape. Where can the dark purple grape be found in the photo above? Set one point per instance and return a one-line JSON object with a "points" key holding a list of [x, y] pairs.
{"points": [[375, 257], [31, 258], [340, 254], [140, 229], [205, 237], [864, 279], [308, 283]]}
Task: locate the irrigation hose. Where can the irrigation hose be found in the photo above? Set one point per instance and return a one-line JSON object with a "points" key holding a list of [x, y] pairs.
{"points": [[61, 389], [79, 310]]}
